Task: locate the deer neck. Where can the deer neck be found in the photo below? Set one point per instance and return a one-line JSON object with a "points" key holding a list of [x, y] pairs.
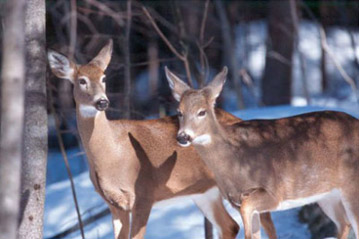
{"points": [[218, 145], [92, 128]]}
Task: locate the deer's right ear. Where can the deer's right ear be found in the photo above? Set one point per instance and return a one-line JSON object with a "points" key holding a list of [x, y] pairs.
{"points": [[177, 86], [61, 66]]}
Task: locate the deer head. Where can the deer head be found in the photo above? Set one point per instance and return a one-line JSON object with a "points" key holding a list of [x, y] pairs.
{"points": [[196, 108], [89, 80]]}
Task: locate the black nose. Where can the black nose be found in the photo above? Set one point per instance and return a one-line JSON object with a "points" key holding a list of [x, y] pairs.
{"points": [[183, 138], [102, 104]]}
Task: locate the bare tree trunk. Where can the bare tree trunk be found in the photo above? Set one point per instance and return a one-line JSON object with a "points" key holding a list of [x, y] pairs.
{"points": [[153, 66], [276, 84], [12, 113], [229, 49], [126, 51], [35, 131]]}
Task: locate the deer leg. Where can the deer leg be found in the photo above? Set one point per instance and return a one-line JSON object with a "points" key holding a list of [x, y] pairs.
{"points": [[211, 205], [256, 202], [267, 223], [140, 214], [334, 209], [121, 222], [351, 206], [256, 226]]}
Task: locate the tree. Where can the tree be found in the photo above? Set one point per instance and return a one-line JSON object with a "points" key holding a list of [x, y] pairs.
{"points": [[12, 113], [35, 129], [276, 83]]}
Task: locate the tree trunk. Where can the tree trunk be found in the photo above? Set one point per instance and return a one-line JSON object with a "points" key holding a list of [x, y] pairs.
{"points": [[126, 52], [35, 131], [276, 84], [12, 113]]}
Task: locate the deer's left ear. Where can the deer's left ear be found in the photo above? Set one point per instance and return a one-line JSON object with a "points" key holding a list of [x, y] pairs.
{"points": [[103, 58], [61, 66], [216, 85], [177, 86]]}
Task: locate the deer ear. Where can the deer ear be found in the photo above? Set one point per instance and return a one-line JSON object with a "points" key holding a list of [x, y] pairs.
{"points": [[216, 85], [61, 66], [103, 58], [177, 86]]}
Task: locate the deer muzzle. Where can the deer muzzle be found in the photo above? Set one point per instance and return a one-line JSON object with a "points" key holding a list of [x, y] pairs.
{"points": [[183, 139], [102, 104]]}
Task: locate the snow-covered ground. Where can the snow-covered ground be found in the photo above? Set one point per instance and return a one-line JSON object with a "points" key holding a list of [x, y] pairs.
{"points": [[180, 220]]}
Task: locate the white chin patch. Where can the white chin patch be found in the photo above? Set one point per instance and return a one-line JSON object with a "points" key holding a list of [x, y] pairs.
{"points": [[202, 139], [88, 111], [184, 145]]}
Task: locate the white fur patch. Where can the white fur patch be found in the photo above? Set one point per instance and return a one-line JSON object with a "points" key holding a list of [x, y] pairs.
{"points": [[189, 132], [117, 226], [203, 139], [60, 64], [288, 204], [205, 203], [351, 216], [88, 111]]}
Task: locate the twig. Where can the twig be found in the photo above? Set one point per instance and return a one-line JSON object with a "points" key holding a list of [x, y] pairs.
{"points": [[203, 57], [326, 49], [63, 152], [295, 20], [229, 50], [73, 28], [87, 221], [170, 46], [337, 64], [126, 50], [104, 8], [203, 24]]}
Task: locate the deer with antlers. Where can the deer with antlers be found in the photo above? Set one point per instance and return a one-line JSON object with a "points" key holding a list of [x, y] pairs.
{"points": [[270, 165], [134, 164]]}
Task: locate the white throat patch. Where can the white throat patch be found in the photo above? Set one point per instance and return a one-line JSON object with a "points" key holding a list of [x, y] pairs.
{"points": [[202, 139], [87, 111]]}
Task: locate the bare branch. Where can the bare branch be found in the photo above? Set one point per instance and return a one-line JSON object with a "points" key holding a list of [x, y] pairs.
{"points": [[337, 64], [126, 50], [170, 46], [201, 46], [73, 28], [103, 7], [203, 24], [295, 20]]}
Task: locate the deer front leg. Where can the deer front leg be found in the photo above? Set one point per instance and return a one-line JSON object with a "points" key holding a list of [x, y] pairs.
{"points": [[267, 223], [256, 202], [121, 222], [140, 214], [211, 205]]}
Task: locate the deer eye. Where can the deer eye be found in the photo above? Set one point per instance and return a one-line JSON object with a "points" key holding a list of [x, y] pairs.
{"points": [[82, 82], [202, 113], [179, 113]]}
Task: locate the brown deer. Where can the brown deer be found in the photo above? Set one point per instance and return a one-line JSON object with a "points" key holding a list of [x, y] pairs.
{"points": [[134, 164], [270, 165]]}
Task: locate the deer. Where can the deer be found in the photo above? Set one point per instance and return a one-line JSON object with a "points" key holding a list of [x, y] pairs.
{"points": [[134, 164], [272, 165]]}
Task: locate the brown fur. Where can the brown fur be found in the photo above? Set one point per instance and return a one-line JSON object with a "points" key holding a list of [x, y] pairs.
{"points": [[134, 164], [259, 164]]}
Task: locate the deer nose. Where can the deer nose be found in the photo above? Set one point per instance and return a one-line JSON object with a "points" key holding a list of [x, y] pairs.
{"points": [[183, 139], [102, 104]]}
